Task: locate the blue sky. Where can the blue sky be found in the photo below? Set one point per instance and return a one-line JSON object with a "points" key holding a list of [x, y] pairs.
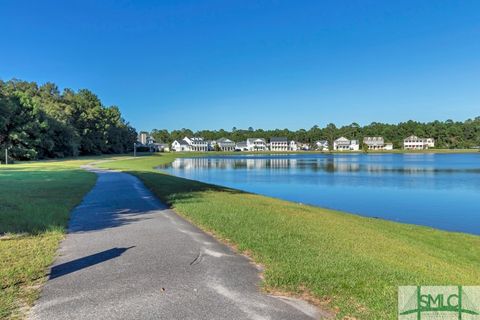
{"points": [[266, 64]]}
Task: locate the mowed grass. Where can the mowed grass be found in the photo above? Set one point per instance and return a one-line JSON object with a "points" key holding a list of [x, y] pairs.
{"points": [[35, 201], [351, 264]]}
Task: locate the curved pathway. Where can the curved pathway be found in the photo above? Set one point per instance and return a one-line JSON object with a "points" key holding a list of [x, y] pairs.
{"points": [[127, 256]]}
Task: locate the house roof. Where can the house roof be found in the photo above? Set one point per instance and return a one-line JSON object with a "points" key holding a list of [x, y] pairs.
{"points": [[182, 142], [256, 139], [225, 140], [278, 139], [242, 144]]}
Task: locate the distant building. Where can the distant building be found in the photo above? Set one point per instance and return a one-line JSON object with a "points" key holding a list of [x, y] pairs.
{"points": [[292, 145], [321, 145], [344, 144], [223, 144], [241, 146], [197, 143], [279, 144], [303, 146], [180, 146], [377, 143], [190, 144], [414, 143], [256, 144], [142, 137]]}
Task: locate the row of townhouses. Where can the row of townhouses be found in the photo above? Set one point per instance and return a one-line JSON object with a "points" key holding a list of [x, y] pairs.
{"points": [[224, 144], [280, 144]]}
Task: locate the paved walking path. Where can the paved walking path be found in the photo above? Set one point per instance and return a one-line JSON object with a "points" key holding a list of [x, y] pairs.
{"points": [[127, 256]]}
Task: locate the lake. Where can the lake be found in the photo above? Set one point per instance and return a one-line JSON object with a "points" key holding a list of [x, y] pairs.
{"points": [[437, 190]]}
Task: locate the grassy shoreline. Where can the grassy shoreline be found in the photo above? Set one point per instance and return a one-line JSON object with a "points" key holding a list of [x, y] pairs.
{"points": [[352, 263]]}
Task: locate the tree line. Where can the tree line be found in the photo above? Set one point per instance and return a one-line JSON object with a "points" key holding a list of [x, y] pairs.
{"points": [[448, 134], [39, 122]]}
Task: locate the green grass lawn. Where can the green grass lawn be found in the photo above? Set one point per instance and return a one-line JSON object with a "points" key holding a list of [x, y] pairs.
{"points": [[35, 201], [352, 264]]}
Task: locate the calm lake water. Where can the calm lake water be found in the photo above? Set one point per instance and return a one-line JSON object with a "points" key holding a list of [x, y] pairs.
{"points": [[437, 190]]}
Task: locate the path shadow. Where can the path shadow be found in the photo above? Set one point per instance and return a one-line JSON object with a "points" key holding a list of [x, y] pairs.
{"points": [[85, 262]]}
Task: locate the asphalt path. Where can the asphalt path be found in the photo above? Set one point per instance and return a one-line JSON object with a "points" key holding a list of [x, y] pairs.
{"points": [[127, 256]]}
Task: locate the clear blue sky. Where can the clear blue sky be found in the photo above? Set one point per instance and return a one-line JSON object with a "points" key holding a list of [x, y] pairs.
{"points": [[266, 64]]}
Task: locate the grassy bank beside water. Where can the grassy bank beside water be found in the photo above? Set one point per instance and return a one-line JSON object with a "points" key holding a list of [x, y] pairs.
{"points": [[351, 264]]}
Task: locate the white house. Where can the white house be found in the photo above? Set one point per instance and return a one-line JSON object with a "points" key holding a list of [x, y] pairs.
{"points": [[414, 142], [321, 145], [278, 144], [241, 146], [224, 144], [344, 144], [197, 143], [377, 143], [292, 145], [190, 144], [181, 145], [256, 144]]}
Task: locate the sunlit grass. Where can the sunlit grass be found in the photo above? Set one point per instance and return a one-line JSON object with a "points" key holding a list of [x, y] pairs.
{"points": [[35, 201]]}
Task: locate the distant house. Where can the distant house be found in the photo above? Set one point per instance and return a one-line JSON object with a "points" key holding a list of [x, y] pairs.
{"points": [[414, 142], [197, 143], [278, 144], [160, 147], [377, 143], [190, 144], [256, 144], [321, 145], [303, 146], [344, 144], [292, 145], [241, 146], [226, 144], [180, 146], [145, 140]]}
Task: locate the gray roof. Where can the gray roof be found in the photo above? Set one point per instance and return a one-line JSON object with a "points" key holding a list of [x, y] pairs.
{"points": [[242, 144], [182, 142], [225, 140], [278, 139]]}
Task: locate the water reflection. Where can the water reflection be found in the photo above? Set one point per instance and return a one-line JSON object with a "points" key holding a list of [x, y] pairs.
{"points": [[439, 190]]}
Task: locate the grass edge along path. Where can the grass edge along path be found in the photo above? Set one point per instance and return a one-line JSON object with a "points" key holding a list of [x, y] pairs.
{"points": [[351, 264], [36, 199]]}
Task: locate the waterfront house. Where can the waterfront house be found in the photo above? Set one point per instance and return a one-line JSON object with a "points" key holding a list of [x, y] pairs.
{"points": [[377, 143], [416, 143], [197, 143], [225, 144], [344, 144], [256, 144], [321, 145], [278, 144], [241, 146], [180, 145], [374, 143], [292, 145], [190, 144], [303, 146]]}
